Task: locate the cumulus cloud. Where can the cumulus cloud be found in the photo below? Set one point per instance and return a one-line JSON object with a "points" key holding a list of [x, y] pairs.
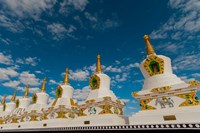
{"points": [[79, 75], [51, 81], [28, 78], [59, 31], [5, 59], [28, 8], [81, 94], [76, 4], [33, 61], [11, 84], [5, 73], [183, 23], [188, 61]]}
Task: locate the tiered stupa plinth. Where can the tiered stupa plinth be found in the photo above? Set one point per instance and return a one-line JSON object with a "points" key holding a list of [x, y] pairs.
{"points": [[164, 98], [101, 106]]}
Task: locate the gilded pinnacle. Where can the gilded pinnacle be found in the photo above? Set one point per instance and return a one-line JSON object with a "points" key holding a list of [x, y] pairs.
{"points": [[98, 65], [3, 100], [149, 47], [14, 96], [66, 79], [43, 89], [26, 91]]}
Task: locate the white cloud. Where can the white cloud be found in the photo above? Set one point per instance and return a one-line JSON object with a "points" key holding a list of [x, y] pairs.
{"points": [[5, 59], [77, 4], [34, 90], [6, 73], [188, 61], [121, 78], [196, 74], [112, 69], [27, 78], [53, 81], [81, 94], [12, 84], [33, 61], [170, 47], [79, 75], [28, 8], [38, 72], [184, 22], [58, 30]]}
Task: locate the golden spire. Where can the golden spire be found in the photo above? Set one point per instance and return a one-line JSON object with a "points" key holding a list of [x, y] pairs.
{"points": [[98, 65], [66, 79], [14, 96], [3, 100], [26, 91], [149, 47], [43, 89]]}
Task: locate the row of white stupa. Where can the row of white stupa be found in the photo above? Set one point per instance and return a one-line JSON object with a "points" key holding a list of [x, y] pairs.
{"points": [[164, 98]]}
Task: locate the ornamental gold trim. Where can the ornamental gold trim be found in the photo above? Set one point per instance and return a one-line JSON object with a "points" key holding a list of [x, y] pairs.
{"points": [[106, 109], [59, 92], [94, 82], [144, 104], [190, 99], [194, 83], [154, 59], [161, 89], [135, 94], [34, 98]]}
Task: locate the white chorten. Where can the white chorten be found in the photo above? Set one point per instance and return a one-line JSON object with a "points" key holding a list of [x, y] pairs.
{"points": [[164, 98], [40, 99], [64, 93], [101, 106]]}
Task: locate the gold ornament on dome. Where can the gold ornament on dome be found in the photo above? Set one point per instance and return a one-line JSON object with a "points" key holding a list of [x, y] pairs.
{"points": [[94, 82], [106, 109], [154, 65], [81, 112], [161, 89], [17, 103], [194, 83], [190, 99], [59, 92], [144, 104], [134, 94], [34, 98]]}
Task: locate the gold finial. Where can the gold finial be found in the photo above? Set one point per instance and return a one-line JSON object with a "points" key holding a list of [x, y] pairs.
{"points": [[26, 91], [3, 100], [43, 89], [14, 96], [98, 65], [66, 79], [149, 47]]}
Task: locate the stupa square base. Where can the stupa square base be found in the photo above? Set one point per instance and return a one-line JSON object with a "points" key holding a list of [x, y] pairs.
{"points": [[167, 116]]}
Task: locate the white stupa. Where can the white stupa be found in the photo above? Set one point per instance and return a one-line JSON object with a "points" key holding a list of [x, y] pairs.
{"points": [[101, 106], [164, 98], [64, 106], [9, 107]]}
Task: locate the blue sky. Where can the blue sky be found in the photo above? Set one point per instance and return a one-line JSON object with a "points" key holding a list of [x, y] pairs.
{"points": [[40, 38]]}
